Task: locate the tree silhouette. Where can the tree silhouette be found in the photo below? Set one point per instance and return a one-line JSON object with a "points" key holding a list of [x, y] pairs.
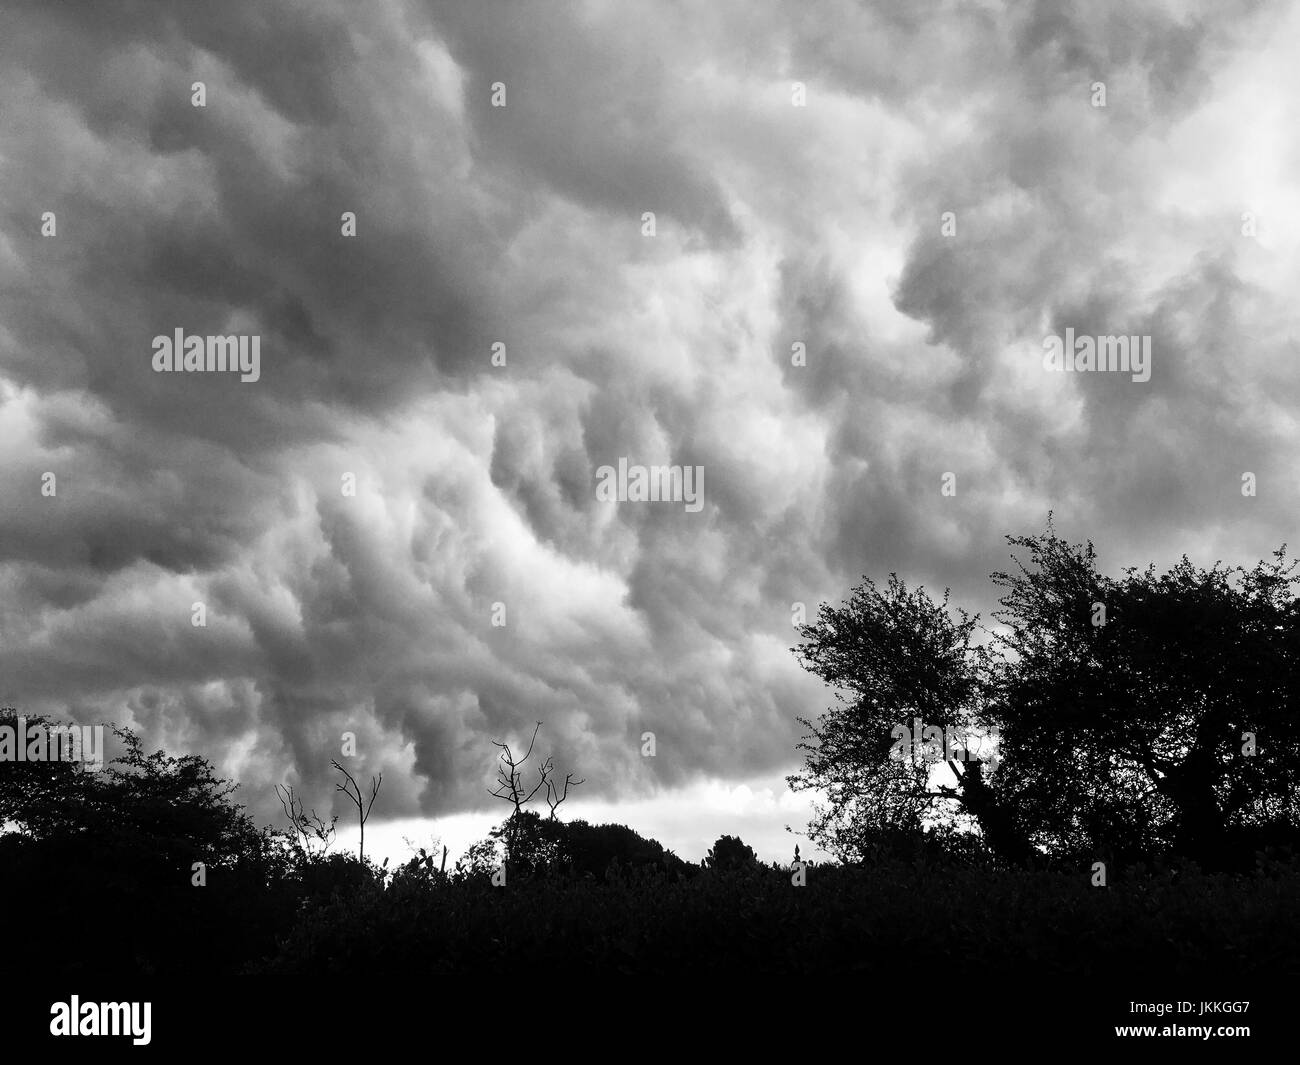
{"points": [[555, 795], [133, 840], [351, 789], [510, 786], [1173, 726], [1125, 710], [44, 798], [729, 852], [894, 655], [308, 830]]}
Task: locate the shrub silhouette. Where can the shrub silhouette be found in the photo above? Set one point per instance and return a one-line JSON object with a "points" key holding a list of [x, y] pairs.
{"points": [[123, 842], [549, 846], [729, 852]]}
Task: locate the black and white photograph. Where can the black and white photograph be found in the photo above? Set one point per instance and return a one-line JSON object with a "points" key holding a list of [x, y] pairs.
{"points": [[748, 524]]}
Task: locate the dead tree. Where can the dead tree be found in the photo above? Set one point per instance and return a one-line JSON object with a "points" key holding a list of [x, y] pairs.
{"points": [[306, 827], [353, 792], [554, 796], [510, 786]]}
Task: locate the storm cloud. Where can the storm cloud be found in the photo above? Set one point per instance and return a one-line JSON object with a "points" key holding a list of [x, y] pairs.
{"points": [[913, 198]]}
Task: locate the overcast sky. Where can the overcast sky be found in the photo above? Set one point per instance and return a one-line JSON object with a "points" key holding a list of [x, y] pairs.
{"points": [[798, 160]]}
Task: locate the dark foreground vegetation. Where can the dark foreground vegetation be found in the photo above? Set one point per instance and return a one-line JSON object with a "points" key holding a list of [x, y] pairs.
{"points": [[107, 888], [890, 921]]}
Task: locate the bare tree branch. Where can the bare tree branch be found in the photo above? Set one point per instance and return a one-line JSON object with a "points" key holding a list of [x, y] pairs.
{"points": [[511, 788], [306, 827], [353, 792], [554, 796]]}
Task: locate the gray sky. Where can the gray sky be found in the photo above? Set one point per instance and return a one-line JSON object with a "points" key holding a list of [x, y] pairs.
{"points": [[1168, 213]]}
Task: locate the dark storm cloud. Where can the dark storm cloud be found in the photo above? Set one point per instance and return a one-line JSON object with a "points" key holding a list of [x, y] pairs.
{"points": [[584, 110], [370, 612], [245, 217]]}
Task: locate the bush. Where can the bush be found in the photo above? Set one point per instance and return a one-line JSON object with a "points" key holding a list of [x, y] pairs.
{"points": [[729, 853]]}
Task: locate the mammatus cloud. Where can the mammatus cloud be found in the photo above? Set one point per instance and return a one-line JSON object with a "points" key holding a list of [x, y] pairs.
{"points": [[865, 223]]}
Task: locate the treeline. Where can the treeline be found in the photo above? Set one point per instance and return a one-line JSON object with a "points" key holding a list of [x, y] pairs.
{"points": [[99, 878], [1112, 720]]}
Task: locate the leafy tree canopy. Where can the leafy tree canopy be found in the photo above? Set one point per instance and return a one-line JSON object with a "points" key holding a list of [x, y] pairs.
{"points": [[1136, 716]]}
